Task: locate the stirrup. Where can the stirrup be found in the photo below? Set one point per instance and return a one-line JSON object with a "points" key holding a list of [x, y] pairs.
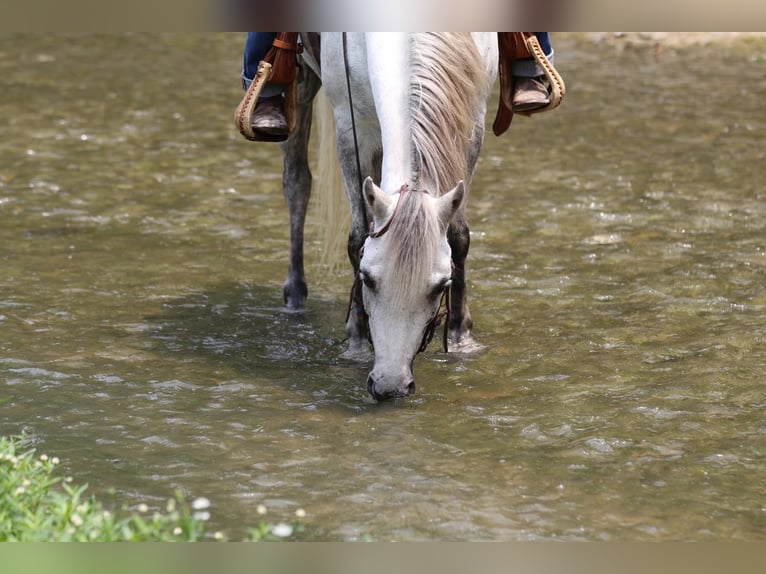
{"points": [[243, 115], [280, 66], [558, 88]]}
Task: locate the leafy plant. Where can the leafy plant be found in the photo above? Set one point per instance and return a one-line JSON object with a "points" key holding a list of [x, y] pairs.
{"points": [[37, 505]]}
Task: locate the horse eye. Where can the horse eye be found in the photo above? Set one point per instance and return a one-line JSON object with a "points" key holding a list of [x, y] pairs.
{"points": [[439, 289], [368, 281]]}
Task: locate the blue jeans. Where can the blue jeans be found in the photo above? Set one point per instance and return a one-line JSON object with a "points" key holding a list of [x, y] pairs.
{"points": [[257, 45], [528, 68]]}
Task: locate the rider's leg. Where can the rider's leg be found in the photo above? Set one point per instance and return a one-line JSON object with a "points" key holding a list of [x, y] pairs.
{"points": [[269, 116]]}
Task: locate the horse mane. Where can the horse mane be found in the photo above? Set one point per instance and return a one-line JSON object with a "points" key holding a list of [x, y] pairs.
{"points": [[414, 236], [447, 84]]}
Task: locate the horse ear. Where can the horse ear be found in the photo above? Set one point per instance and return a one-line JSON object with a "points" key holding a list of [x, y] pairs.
{"points": [[450, 202], [378, 201]]}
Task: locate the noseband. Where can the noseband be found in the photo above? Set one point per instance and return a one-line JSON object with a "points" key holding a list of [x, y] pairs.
{"points": [[356, 299]]}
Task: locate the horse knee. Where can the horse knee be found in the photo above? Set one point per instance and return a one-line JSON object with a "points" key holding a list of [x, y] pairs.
{"points": [[459, 238]]}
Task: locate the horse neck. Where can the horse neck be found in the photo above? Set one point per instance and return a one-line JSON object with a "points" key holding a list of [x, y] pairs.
{"points": [[388, 56], [428, 89]]}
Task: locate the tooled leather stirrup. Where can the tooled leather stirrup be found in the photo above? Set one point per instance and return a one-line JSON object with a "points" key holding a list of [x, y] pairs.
{"points": [[514, 46], [279, 66]]}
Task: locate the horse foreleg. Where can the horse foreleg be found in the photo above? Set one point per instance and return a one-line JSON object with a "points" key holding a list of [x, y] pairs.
{"points": [[458, 235], [460, 320], [296, 186], [356, 325]]}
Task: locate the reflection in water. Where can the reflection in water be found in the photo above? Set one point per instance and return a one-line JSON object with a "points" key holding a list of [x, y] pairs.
{"points": [[616, 274]]}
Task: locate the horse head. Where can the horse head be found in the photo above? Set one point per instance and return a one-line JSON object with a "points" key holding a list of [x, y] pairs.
{"points": [[406, 266]]}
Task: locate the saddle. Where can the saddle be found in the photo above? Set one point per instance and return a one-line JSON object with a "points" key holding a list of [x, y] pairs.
{"points": [[279, 66], [514, 46]]}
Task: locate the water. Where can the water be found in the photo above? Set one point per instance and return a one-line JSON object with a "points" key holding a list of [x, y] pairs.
{"points": [[617, 274]]}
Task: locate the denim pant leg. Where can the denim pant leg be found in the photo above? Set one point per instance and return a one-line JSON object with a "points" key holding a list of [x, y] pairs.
{"points": [[257, 45], [528, 68]]}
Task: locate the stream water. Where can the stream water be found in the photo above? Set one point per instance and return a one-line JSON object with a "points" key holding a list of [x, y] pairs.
{"points": [[617, 275]]}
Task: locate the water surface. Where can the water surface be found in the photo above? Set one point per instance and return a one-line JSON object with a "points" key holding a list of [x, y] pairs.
{"points": [[617, 274]]}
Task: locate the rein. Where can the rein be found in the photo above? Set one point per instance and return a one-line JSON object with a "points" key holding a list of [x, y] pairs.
{"points": [[438, 316], [435, 321], [363, 207]]}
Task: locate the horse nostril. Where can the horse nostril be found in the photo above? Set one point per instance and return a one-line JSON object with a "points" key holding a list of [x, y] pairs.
{"points": [[408, 389]]}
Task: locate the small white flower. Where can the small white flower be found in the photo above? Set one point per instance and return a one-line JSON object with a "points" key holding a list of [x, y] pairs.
{"points": [[107, 515], [177, 531], [300, 513], [218, 535], [76, 519], [171, 504], [25, 482], [55, 460], [143, 508], [261, 510], [282, 530], [68, 479], [43, 457], [200, 503], [202, 515], [19, 491]]}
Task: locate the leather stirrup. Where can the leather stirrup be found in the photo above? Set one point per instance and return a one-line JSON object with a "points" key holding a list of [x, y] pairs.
{"points": [[279, 66], [514, 46]]}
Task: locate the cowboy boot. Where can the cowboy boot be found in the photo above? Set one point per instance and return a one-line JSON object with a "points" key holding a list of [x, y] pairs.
{"points": [[269, 117], [530, 94]]}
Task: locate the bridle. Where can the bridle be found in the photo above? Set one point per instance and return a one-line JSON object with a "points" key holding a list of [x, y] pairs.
{"points": [[355, 298], [442, 312]]}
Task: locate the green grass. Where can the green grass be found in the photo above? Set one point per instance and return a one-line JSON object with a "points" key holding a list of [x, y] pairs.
{"points": [[37, 505]]}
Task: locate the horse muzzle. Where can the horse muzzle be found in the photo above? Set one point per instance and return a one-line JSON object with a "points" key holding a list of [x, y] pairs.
{"points": [[381, 392]]}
